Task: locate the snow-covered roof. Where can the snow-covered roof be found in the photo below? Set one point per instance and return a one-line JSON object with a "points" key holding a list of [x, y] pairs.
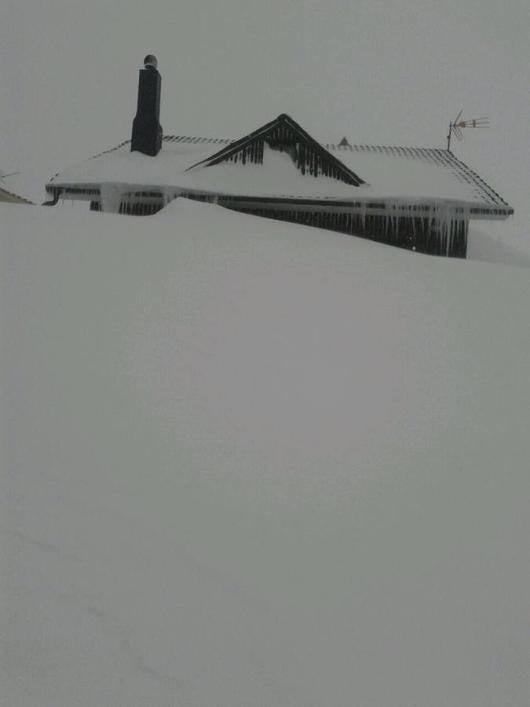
{"points": [[390, 173], [418, 171], [11, 197]]}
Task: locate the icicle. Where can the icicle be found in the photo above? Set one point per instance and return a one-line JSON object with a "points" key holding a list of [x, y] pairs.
{"points": [[110, 198]]}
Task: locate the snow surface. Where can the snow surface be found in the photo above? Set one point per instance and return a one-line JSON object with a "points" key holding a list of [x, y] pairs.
{"points": [[251, 463], [397, 176]]}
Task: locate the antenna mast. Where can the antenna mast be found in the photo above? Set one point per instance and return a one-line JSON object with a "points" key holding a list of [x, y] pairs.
{"points": [[457, 125]]}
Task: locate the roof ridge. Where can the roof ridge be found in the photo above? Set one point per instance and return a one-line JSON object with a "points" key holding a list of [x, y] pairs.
{"points": [[173, 137], [194, 138], [383, 147]]}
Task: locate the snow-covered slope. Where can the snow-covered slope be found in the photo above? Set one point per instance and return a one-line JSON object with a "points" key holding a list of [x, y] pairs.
{"points": [[248, 463]]}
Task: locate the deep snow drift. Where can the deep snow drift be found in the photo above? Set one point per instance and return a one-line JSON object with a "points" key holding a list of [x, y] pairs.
{"points": [[250, 463]]}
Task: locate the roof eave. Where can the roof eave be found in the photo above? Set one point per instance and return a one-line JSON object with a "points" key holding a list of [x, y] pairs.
{"points": [[86, 191]]}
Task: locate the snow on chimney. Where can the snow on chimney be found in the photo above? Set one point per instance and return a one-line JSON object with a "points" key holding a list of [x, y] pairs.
{"points": [[147, 132]]}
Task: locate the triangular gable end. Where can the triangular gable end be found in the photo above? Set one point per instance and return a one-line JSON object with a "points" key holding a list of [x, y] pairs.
{"points": [[284, 134]]}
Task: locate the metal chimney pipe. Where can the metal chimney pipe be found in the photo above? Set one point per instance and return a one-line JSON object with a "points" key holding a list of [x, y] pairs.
{"points": [[147, 131]]}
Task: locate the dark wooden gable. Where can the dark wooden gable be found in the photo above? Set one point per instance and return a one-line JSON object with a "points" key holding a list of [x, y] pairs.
{"points": [[284, 134]]}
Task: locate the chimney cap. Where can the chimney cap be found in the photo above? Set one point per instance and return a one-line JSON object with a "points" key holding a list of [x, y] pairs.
{"points": [[151, 62]]}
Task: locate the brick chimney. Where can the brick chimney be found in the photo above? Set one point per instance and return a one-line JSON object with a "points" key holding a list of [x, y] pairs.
{"points": [[147, 131]]}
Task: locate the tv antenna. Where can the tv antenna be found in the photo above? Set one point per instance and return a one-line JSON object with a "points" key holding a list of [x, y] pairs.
{"points": [[457, 125]]}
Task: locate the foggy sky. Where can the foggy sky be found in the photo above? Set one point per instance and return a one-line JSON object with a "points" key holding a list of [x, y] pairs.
{"points": [[377, 72]]}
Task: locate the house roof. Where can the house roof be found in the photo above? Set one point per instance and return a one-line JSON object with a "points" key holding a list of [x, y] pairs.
{"points": [[209, 165], [283, 131], [11, 197], [472, 185]]}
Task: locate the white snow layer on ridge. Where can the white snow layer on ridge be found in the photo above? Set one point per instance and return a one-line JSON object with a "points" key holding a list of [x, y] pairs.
{"points": [[387, 175], [249, 463]]}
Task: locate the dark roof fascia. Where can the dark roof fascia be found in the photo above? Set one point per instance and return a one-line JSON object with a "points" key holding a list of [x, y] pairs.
{"points": [[379, 203], [235, 146]]}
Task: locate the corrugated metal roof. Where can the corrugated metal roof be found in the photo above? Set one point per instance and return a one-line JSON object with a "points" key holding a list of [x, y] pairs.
{"points": [[391, 172], [431, 155]]}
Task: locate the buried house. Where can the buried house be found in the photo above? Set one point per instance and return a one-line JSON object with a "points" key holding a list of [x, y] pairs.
{"points": [[416, 198]]}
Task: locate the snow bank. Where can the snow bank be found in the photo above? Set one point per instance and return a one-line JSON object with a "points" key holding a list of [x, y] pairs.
{"points": [[248, 463]]}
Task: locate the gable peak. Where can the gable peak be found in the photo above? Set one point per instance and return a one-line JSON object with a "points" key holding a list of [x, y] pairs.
{"points": [[286, 135]]}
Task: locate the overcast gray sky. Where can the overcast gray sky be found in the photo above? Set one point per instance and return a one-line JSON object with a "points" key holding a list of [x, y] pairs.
{"points": [[377, 71]]}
